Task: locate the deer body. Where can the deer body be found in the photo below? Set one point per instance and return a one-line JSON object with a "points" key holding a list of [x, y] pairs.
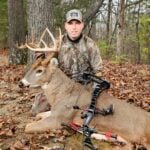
{"points": [[62, 93]]}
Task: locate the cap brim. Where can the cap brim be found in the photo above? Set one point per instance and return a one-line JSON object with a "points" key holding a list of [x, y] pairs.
{"points": [[74, 19]]}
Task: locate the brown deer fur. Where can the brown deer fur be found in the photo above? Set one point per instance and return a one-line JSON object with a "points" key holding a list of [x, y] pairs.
{"points": [[62, 93]]}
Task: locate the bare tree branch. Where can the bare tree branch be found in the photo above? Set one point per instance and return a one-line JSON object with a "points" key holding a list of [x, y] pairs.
{"points": [[91, 12], [134, 3]]}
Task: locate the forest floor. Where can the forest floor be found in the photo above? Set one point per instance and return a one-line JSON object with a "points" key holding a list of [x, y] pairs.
{"points": [[129, 82]]}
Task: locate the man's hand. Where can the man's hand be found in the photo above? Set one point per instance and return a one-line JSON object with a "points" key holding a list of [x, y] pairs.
{"points": [[99, 74]]}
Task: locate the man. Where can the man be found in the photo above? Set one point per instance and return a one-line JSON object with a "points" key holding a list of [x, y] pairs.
{"points": [[78, 52]]}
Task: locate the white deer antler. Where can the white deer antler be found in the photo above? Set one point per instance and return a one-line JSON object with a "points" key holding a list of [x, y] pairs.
{"points": [[36, 47]]}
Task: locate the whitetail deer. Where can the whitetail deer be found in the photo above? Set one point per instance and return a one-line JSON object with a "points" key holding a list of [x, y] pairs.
{"points": [[128, 121]]}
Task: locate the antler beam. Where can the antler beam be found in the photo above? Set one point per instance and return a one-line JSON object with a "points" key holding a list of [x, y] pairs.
{"points": [[36, 47]]}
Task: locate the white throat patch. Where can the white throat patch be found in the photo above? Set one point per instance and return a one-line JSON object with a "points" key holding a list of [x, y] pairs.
{"points": [[45, 86]]}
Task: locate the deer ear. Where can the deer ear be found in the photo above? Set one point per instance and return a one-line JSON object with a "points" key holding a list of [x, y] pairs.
{"points": [[54, 62]]}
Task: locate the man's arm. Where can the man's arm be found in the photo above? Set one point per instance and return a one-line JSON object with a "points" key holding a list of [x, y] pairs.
{"points": [[95, 58]]}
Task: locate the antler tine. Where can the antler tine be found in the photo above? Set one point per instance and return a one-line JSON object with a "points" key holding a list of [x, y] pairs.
{"points": [[45, 48], [36, 47], [56, 50], [60, 39], [53, 39], [41, 38]]}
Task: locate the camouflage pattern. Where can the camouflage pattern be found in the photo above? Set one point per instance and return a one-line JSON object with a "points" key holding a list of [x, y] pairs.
{"points": [[79, 56]]}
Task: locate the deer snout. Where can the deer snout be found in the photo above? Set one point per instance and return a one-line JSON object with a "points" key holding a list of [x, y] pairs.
{"points": [[23, 83], [20, 84]]}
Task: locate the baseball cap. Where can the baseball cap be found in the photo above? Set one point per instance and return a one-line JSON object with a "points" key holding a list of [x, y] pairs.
{"points": [[74, 14]]}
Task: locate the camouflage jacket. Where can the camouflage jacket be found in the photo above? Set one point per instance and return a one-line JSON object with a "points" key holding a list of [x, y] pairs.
{"points": [[77, 57]]}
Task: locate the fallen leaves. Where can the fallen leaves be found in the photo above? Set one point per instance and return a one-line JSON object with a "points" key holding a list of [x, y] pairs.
{"points": [[128, 82], [18, 145], [7, 127]]}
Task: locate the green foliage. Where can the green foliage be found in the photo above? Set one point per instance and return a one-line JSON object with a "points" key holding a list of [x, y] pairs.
{"points": [[144, 34], [145, 54], [3, 23], [121, 59], [145, 30], [106, 50]]}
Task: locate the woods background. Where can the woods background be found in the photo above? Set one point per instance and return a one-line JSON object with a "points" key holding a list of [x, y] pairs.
{"points": [[121, 28]]}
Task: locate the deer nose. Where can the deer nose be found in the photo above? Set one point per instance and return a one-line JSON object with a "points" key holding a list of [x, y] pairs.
{"points": [[21, 85]]}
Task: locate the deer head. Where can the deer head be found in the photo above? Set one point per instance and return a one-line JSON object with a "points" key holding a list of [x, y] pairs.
{"points": [[41, 70]]}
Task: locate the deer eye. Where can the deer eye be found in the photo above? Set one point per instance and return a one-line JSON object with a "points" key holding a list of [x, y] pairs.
{"points": [[39, 71]]}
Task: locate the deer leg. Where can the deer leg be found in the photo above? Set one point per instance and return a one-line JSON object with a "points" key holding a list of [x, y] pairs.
{"points": [[43, 125], [40, 104], [43, 115], [77, 120]]}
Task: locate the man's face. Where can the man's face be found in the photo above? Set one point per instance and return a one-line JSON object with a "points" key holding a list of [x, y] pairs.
{"points": [[74, 28]]}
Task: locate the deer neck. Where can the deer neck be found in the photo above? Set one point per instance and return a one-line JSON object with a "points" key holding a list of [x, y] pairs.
{"points": [[58, 79]]}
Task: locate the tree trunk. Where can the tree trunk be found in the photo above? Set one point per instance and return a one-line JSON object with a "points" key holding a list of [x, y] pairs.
{"points": [[138, 52], [16, 31], [108, 22], [120, 28], [39, 16]]}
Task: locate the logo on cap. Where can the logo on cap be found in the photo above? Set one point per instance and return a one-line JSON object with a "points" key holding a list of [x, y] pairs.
{"points": [[74, 15]]}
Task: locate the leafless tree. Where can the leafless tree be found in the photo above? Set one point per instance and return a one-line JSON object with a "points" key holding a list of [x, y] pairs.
{"points": [[120, 28]]}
